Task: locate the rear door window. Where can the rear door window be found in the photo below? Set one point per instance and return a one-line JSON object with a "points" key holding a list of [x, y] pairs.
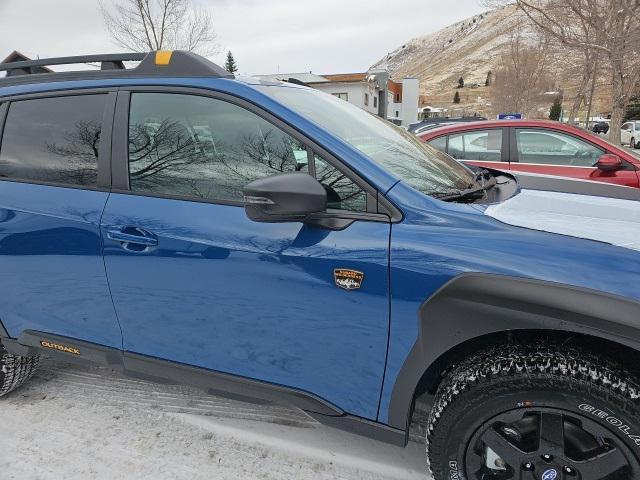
{"points": [[53, 140], [480, 145], [439, 143]]}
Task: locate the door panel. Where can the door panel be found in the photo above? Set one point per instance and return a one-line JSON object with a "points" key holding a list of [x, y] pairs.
{"points": [[625, 134], [627, 178], [51, 163], [53, 277], [256, 300]]}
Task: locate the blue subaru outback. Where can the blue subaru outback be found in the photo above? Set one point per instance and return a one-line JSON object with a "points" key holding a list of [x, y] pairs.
{"points": [[267, 240]]}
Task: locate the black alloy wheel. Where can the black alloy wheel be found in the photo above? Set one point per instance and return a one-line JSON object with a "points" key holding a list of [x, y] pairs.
{"points": [[547, 444]]}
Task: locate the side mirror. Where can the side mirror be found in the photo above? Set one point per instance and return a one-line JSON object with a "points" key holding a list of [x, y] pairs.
{"points": [[290, 197], [609, 163]]}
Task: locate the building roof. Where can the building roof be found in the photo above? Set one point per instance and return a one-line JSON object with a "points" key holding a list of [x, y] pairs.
{"points": [[305, 77], [16, 56], [346, 77], [311, 78]]}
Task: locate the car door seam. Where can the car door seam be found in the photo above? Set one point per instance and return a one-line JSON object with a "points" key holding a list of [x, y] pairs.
{"points": [[389, 296], [106, 274]]}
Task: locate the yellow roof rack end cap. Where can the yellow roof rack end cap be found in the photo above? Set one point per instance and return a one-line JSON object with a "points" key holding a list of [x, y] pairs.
{"points": [[163, 57]]}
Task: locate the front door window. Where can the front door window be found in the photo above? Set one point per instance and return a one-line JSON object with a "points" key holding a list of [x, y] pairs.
{"points": [[546, 147]]}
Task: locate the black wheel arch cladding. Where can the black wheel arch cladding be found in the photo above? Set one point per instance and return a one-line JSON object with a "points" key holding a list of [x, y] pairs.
{"points": [[474, 305]]}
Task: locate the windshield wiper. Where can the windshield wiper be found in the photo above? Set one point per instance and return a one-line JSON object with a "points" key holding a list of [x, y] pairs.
{"points": [[475, 191]]}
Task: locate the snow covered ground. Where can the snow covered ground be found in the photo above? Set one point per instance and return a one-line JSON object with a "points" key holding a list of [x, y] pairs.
{"points": [[78, 422]]}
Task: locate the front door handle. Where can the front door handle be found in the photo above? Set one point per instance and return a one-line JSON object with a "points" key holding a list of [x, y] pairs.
{"points": [[139, 238]]}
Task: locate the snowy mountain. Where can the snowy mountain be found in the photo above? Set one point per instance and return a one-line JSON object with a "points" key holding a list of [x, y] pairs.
{"points": [[469, 47]]}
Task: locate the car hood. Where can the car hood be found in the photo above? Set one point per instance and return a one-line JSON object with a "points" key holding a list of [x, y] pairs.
{"points": [[589, 210]]}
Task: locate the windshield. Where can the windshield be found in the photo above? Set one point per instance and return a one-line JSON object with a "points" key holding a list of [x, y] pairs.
{"points": [[402, 153]]}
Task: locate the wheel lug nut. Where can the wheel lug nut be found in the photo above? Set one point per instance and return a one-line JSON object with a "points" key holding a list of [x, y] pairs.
{"points": [[547, 458], [528, 466], [568, 470]]}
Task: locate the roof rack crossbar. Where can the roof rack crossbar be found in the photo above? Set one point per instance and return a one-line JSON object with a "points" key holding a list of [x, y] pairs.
{"points": [[152, 64], [109, 62]]}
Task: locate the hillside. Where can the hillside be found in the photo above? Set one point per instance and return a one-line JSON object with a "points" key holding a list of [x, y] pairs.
{"points": [[469, 49]]}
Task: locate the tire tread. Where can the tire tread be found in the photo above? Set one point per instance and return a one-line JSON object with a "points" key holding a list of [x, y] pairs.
{"points": [[15, 370], [541, 361]]}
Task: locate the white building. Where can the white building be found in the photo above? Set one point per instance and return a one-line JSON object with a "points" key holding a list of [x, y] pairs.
{"points": [[366, 91]]}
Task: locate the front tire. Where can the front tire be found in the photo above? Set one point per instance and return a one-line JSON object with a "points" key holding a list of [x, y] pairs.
{"points": [[15, 370], [632, 144], [535, 413]]}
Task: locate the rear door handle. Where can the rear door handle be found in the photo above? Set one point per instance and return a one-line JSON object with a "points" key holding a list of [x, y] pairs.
{"points": [[124, 236]]}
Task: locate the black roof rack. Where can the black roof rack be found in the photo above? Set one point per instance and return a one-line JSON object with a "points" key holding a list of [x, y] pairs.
{"points": [[153, 64]]}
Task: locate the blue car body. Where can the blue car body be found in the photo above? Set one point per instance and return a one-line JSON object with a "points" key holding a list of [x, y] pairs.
{"points": [[216, 291]]}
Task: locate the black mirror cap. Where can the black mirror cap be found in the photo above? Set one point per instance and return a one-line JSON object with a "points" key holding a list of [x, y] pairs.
{"points": [[289, 197]]}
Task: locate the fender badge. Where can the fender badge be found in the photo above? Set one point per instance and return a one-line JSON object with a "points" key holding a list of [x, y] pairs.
{"points": [[348, 279]]}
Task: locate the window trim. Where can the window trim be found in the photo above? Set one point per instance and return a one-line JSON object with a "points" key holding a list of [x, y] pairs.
{"points": [[103, 181], [379, 208], [515, 153], [4, 111]]}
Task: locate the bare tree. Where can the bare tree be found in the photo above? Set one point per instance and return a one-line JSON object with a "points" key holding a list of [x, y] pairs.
{"points": [[587, 59], [148, 25], [521, 77], [632, 7], [607, 28], [79, 150]]}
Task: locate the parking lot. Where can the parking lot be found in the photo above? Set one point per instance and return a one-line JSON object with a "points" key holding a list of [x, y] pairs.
{"points": [[77, 422]]}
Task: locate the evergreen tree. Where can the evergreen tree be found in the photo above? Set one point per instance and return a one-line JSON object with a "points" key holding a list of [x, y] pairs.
{"points": [[456, 98], [556, 109], [489, 79], [633, 109], [230, 65], [461, 82]]}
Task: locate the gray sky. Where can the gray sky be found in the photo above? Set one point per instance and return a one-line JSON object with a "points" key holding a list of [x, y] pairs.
{"points": [[328, 36]]}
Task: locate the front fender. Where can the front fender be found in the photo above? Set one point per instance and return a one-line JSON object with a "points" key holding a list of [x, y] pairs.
{"points": [[475, 305]]}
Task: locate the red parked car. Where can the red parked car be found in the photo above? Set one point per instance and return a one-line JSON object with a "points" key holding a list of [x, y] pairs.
{"points": [[537, 146]]}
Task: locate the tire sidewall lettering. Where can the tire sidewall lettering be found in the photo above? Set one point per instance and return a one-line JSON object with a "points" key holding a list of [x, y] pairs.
{"points": [[604, 415]]}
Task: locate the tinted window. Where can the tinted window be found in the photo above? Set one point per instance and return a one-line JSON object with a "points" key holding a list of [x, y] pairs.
{"points": [[483, 145], [439, 143], [53, 140], [555, 148], [342, 192], [199, 147]]}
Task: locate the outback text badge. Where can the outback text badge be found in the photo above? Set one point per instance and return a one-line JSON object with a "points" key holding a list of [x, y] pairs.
{"points": [[348, 279]]}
